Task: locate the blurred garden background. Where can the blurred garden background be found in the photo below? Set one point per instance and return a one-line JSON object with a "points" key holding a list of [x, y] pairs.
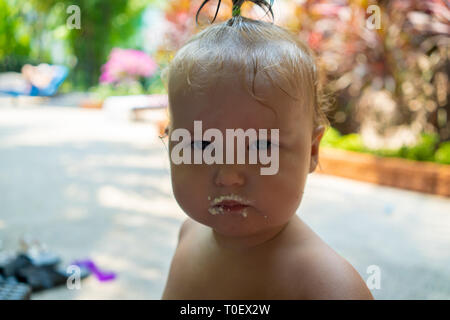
{"points": [[390, 85], [389, 97]]}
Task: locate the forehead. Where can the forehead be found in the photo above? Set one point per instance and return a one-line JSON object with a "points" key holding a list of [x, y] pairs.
{"points": [[228, 104]]}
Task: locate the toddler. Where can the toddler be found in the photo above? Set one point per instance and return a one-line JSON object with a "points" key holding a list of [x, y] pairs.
{"points": [[243, 239]]}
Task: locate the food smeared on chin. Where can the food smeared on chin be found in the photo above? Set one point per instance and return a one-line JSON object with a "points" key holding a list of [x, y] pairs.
{"points": [[229, 204]]}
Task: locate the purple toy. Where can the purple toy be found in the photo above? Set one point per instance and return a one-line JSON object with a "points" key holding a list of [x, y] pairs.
{"points": [[101, 275]]}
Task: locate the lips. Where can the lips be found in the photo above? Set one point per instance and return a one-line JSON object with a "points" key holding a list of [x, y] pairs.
{"points": [[231, 205]]}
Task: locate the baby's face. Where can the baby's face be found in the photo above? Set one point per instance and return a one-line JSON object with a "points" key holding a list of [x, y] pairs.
{"points": [[268, 201]]}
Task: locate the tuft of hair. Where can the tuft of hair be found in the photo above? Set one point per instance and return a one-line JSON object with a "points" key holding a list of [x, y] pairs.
{"points": [[237, 4], [243, 48]]}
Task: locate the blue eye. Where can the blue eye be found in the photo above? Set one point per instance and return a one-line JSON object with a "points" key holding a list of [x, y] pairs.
{"points": [[260, 145], [200, 144]]}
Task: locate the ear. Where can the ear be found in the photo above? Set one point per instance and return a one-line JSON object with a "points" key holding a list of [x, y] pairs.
{"points": [[315, 142]]}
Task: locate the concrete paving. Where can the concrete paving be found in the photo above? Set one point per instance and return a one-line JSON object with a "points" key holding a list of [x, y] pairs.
{"points": [[90, 185]]}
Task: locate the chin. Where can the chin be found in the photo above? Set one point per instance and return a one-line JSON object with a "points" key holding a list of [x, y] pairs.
{"points": [[234, 227], [231, 226]]}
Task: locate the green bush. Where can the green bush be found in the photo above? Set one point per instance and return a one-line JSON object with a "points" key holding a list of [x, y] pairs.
{"points": [[352, 142], [426, 149], [330, 137], [156, 86], [442, 154]]}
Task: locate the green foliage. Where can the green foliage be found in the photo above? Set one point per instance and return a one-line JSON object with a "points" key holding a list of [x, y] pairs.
{"points": [[442, 154], [13, 37], [103, 91], [103, 24], [424, 150], [332, 138], [30, 28], [26, 30], [15, 42], [153, 85], [351, 142], [156, 86]]}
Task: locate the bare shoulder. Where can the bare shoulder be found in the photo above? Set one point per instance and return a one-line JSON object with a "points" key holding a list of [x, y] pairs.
{"points": [[185, 227], [320, 273], [176, 275]]}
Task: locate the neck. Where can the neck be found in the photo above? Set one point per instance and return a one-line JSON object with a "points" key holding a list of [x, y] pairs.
{"points": [[244, 243]]}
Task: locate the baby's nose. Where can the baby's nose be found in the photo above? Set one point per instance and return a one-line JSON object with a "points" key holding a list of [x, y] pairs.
{"points": [[228, 175]]}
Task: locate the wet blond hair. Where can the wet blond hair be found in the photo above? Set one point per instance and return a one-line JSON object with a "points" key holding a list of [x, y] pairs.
{"points": [[244, 47]]}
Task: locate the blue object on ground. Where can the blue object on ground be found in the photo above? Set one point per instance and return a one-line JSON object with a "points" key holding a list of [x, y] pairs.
{"points": [[60, 75], [11, 289]]}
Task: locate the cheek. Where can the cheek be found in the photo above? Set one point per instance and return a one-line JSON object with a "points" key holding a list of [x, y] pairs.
{"points": [[285, 192], [286, 187], [189, 185]]}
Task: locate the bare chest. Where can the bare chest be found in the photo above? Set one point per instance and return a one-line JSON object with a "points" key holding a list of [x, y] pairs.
{"points": [[199, 272]]}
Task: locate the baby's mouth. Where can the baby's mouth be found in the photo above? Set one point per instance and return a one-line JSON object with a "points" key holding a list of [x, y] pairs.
{"points": [[229, 204]]}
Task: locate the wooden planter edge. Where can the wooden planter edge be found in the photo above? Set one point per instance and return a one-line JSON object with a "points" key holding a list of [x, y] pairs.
{"points": [[407, 174]]}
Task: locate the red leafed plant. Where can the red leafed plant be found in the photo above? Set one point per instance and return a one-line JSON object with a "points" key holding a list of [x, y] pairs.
{"points": [[385, 61]]}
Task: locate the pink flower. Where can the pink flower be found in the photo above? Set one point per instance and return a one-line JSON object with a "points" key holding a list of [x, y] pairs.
{"points": [[314, 40], [127, 63]]}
